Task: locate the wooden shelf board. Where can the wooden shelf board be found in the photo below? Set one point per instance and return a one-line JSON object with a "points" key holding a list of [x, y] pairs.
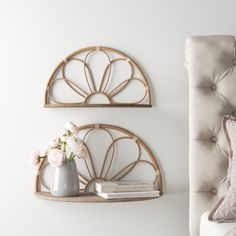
{"points": [[94, 105], [86, 198]]}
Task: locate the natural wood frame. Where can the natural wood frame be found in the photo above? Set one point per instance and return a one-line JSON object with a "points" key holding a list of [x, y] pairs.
{"points": [[90, 197], [50, 101]]}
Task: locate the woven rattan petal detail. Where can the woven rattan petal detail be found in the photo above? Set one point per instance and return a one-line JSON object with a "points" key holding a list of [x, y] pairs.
{"points": [[101, 87]]}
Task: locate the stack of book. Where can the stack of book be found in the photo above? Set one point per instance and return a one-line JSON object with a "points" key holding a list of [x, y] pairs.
{"points": [[125, 189]]}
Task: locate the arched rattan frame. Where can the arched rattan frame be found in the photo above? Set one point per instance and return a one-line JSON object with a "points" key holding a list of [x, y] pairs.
{"points": [[50, 100], [109, 129]]}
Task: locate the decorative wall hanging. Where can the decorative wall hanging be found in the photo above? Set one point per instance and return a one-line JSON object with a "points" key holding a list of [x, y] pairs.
{"points": [[114, 164], [86, 87]]}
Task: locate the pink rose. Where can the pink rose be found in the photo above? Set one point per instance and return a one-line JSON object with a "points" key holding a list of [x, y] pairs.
{"points": [[55, 157], [71, 127], [77, 147], [73, 142], [35, 158], [55, 142], [82, 152]]}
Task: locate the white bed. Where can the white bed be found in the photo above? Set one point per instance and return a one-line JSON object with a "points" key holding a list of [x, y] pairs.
{"points": [[208, 228], [211, 63]]}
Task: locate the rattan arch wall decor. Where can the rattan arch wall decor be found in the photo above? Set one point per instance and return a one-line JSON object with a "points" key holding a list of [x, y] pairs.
{"points": [[86, 86], [107, 171]]}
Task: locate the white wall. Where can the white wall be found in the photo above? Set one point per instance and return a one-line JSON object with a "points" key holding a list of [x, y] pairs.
{"points": [[34, 36]]}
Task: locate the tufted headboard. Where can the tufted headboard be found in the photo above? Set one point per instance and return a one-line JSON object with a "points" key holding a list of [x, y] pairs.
{"points": [[211, 63]]}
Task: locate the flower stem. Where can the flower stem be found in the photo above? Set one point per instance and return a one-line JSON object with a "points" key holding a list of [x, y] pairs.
{"points": [[64, 149], [71, 156]]}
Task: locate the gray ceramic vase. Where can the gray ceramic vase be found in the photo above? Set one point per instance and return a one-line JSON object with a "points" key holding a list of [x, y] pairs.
{"points": [[66, 181]]}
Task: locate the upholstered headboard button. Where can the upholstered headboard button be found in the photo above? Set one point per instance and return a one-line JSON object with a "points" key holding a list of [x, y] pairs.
{"points": [[213, 87], [214, 191], [214, 139]]}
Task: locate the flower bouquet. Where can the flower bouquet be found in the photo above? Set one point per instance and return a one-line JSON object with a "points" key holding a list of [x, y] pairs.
{"points": [[61, 154]]}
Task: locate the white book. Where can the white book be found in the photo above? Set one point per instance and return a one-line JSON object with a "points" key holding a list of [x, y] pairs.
{"points": [[125, 195], [123, 186]]}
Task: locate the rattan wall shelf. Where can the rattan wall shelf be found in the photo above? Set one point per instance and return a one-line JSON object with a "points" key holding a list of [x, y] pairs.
{"points": [[86, 86], [108, 170]]}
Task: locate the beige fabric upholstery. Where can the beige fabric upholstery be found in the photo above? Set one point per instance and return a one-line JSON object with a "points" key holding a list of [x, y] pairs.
{"points": [[211, 63]]}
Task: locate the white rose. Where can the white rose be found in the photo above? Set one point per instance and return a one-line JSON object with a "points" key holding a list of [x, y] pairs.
{"points": [[71, 127], [77, 147], [43, 153], [54, 143], [82, 152], [73, 142], [64, 136]]}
